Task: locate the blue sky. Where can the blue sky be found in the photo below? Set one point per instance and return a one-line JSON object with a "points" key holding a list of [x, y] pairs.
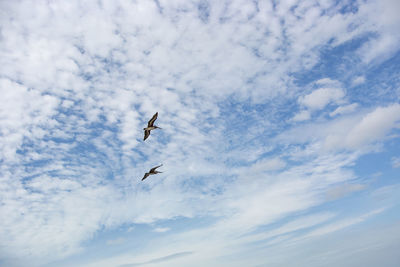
{"points": [[279, 143]]}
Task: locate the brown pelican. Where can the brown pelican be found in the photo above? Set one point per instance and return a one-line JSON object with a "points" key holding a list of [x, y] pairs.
{"points": [[151, 172], [150, 126]]}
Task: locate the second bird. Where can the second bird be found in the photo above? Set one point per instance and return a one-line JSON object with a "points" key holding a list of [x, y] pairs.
{"points": [[150, 126], [151, 172]]}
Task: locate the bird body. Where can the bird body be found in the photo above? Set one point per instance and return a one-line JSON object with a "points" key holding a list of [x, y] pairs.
{"points": [[150, 126], [151, 172]]}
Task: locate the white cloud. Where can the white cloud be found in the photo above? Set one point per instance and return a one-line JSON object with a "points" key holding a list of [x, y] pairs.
{"points": [[373, 126], [327, 82], [302, 116], [380, 48], [352, 132], [23, 113], [344, 109], [358, 80], [385, 25], [268, 164], [319, 98], [161, 229], [395, 162]]}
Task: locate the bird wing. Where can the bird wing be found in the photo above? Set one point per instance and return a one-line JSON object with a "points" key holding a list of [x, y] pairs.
{"points": [[153, 169], [146, 134], [152, 120], [145, 176]]}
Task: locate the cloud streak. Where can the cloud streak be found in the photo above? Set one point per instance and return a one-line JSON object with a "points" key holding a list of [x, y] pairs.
{"points": [[158, 260]]}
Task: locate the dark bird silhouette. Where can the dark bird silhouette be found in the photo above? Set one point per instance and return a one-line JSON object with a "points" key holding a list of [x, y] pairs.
{"points": [[150, 126], [151, 172]]}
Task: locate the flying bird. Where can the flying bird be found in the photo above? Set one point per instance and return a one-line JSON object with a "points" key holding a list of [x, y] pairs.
{"points": [[150, 126], [151, 172]]}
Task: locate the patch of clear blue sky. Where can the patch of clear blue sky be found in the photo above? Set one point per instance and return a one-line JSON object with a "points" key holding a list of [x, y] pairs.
{"points": [[334, 63], [380, 163], [203, 8]]}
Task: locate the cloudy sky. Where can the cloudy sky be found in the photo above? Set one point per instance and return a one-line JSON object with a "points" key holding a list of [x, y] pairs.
{"points": [[280, 140]]}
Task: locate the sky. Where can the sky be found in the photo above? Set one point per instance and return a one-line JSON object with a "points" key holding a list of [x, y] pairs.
{"points": [[279, 142]]}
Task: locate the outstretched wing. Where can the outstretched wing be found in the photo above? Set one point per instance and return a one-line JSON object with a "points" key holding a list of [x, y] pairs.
{"points": [[145, 176], [150, 123], [153, 169], [146, 134]]}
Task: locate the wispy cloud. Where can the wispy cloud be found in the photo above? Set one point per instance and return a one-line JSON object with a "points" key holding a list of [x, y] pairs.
{"points": [[295, 225], [342, 224], [118, 241], [319, 98], [358, 80], [161, 229], [159, 260], [343, 190], [395, 162], [344, 109]]}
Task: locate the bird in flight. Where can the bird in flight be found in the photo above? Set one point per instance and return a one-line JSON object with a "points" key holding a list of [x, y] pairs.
{"points": [[150, 126], [151, 172]]}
